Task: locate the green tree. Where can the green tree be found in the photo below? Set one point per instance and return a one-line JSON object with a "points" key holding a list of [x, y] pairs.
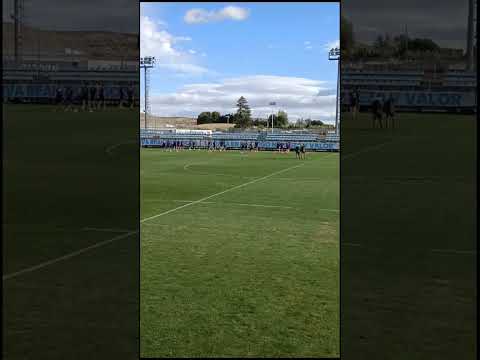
{"points": [[215, 117], [279, 120], [243, 116], [225, 118], [204, 118], [300, 123]]}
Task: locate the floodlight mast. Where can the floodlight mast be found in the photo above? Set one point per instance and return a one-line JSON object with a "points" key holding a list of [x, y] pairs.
{"points": [[334, 55], [471, 35], [147, 62], [273, 103]]}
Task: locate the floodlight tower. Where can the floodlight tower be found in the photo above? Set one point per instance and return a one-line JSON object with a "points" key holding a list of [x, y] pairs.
{"points": [[273, 103], [147, 62], [17, 17], [471, 34], [334, 55]]}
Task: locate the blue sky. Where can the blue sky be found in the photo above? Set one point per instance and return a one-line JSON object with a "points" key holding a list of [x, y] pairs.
{"points": [[210, 53]]}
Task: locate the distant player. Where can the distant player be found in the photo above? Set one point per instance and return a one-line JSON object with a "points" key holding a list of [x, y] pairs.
{"points": [[84, 96], [97, 96], [121, 93], [101, 96], [297, 152], [302, 151], [377, 112], [354, 102], [58, 96], [68, 98], [389, 111], [130, 95], [92, 97]]}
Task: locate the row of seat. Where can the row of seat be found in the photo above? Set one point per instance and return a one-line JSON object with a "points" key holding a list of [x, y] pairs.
{"points": [[252, 136]]}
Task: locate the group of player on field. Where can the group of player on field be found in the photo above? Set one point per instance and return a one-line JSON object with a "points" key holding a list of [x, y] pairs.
{"points": [[91, 96], [380, 108], [220, 146]]}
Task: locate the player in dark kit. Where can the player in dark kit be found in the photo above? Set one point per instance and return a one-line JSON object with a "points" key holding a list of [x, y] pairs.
{"points": [[302, 151], [354, 101], [68, 98], [84, 96], [101, 96], [377, 112], [389, 111], [58, 96], [93, 93], [130, 95], [121, 93], [297, 152]]}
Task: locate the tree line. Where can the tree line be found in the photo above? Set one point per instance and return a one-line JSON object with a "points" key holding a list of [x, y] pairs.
{"points": [[385, 45], [242, 118]]}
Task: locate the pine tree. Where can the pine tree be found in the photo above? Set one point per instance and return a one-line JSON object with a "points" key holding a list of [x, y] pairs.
{"points": [[243, 116]]}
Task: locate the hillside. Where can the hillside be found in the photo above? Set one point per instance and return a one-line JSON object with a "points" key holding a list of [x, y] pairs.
{"points": [[88, 44], [180, 123]]}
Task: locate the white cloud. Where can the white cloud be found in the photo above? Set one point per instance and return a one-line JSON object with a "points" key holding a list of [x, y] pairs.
{"points": [[332, 44], [300, 97], [183, 38], [202, 16], [156, 41], [184, 68], [191, 51], [308, 45]]}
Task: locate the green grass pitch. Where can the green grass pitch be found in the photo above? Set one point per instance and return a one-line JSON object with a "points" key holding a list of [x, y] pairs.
{"points": [[252, 271], [408, 237], [58, 180]]}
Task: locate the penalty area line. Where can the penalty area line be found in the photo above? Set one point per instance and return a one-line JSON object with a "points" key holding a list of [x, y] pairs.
{"points": [[219, 193]]}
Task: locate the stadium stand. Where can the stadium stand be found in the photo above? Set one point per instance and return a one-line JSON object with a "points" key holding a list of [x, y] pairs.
{"points": [[426, 88], [37, 82], [238, 140]]}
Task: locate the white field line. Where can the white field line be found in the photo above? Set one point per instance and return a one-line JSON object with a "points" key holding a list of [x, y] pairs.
{"points": [[190, 164], [106, 229], [219, 193], [240, 204], [439, 251], [110, 148], [122, 236], [67, 256], [455, 252], [303, 179], [364, 150]]}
